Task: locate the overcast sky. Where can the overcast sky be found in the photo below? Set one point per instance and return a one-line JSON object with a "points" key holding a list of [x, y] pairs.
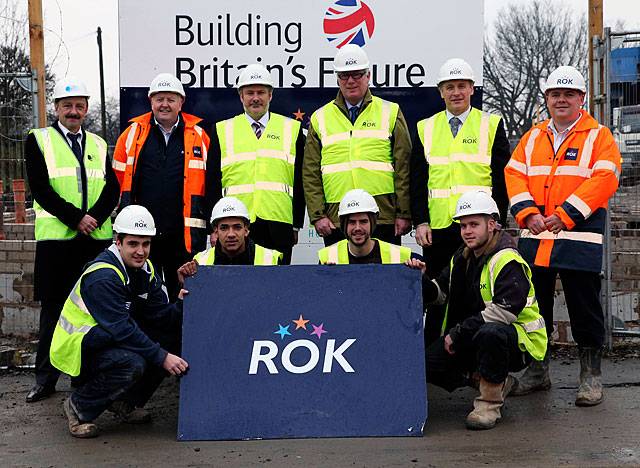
{"points": [[75, 22]]}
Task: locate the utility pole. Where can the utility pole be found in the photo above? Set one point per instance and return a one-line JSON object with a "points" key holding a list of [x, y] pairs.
{"points": [[596, 72], [36, 56], [103, 107]]}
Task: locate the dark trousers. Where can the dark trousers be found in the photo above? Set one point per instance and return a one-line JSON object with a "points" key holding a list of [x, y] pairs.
{"points": [[167, 254], [273, 235], [493, 352], [58, 266], [384, 232], [438, 256], [582, 293], [113, 373]]}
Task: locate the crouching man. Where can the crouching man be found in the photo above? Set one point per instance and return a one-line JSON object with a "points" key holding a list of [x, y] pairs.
{"points": [[117, 330], [492, 324]]}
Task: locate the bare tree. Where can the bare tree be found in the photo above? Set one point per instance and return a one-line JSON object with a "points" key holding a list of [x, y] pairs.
{"points": [[529, 42], [93, 122]]}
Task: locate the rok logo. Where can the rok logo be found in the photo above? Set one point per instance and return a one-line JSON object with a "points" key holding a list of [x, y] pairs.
{"points": [[348, 22], [304, 349], [571, 154], [469, 141]]}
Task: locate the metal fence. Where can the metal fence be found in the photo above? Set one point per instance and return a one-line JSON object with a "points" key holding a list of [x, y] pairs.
{"points": [[619, 53]]}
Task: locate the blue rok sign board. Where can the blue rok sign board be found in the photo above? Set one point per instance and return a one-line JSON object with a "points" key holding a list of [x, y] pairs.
{"points": [[303, 351]]}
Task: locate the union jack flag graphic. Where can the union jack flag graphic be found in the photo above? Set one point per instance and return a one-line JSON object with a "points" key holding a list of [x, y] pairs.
{"points": [[348, 22]]}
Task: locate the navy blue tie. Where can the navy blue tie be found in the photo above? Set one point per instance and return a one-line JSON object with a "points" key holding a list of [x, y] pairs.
{"points": [[353, 113], [75, 146]]}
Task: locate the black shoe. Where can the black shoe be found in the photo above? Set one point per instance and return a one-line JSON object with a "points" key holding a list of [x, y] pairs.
{"points": [[40, 392]]}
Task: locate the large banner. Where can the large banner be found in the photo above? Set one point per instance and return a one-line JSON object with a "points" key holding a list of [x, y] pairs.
{"points": [[303, 351], [205, 44]]}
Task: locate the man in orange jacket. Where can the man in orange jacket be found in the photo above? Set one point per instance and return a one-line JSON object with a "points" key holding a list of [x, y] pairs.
{"points": [[559, 180], [161, 161]]}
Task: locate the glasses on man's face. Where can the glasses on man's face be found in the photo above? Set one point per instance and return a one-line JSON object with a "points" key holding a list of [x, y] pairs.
{"points": [[356, 75]]}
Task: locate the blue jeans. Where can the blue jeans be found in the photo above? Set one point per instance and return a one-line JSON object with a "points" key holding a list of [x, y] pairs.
{"points": [[107, 375]]}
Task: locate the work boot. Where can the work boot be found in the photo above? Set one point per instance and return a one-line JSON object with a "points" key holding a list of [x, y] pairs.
{"points": [[486, 407], [535, 378], [81, 430], [590, 389], [129, 414]]}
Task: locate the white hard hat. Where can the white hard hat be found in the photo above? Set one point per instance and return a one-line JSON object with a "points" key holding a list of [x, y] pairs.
{"points": [[475, 202], [70, 87], [350, 58], [229, 207], [135, 219], [455, 69], [566, 77], [166, 82], [254, 74], [357, 201]]}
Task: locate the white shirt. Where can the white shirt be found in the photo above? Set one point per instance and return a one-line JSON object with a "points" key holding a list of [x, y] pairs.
{"points": [[349, 105], [559, 137], [462, 116], [262, 121], [167, 134], [66, 131]]}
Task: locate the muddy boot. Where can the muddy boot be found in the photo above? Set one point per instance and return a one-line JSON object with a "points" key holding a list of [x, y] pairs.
{"points": [[129, 414], [535, 378], [81, 430], [590, 389], [486, 407]]}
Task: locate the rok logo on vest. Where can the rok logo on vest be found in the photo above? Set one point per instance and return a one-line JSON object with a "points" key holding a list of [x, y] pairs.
{"points": [[197, 152], [348, 22], [299, 350], [469, 141], [571, 154], [368, 124], [483, 286], [271, 136]]}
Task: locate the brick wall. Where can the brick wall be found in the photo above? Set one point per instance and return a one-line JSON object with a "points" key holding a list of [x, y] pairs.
{"points": [[19, 313]]}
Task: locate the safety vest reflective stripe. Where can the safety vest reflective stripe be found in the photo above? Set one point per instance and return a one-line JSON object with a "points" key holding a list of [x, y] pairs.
{"points": [[457, 190], [69, 328], [262, 257], [587, 149], [195, 223], [607, 166], [579, 205], [519, 198], [338, 253], [263, 153], [203, 149], [195, 164], [459, 157], [531, 142], [348, 166], [250, 188], [483, 143], [537, 324], [591, 237], [518, 166], [130, 138]]}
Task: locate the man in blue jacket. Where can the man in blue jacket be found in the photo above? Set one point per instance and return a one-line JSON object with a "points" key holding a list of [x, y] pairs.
{"points": [[117, 330]]}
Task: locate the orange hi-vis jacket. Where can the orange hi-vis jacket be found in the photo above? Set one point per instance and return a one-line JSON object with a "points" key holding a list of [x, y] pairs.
{"points": [[575, 183], [196, 145]]}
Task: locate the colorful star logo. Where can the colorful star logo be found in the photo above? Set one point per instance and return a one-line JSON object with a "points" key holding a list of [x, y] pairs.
{"points": [[301, 322], [282, 331], [318, 330]]}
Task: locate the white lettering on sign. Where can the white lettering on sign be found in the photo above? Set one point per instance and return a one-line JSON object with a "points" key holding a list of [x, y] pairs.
{"points": [[331, 354]]}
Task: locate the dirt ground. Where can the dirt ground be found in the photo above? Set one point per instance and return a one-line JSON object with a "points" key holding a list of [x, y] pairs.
{"points": [[544, 429]]}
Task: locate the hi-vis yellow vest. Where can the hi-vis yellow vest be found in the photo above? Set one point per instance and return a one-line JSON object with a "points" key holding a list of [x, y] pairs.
{"points": [[65, 179], [338, 253], [260, 172], [356, 155], [530, 326], [456, 165], [263, 257], [74, 323]]}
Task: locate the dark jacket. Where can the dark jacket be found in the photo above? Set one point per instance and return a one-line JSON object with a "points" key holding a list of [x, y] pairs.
{"points": [[44, 194], [461, 287], [500, 155], [120, 309]]}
